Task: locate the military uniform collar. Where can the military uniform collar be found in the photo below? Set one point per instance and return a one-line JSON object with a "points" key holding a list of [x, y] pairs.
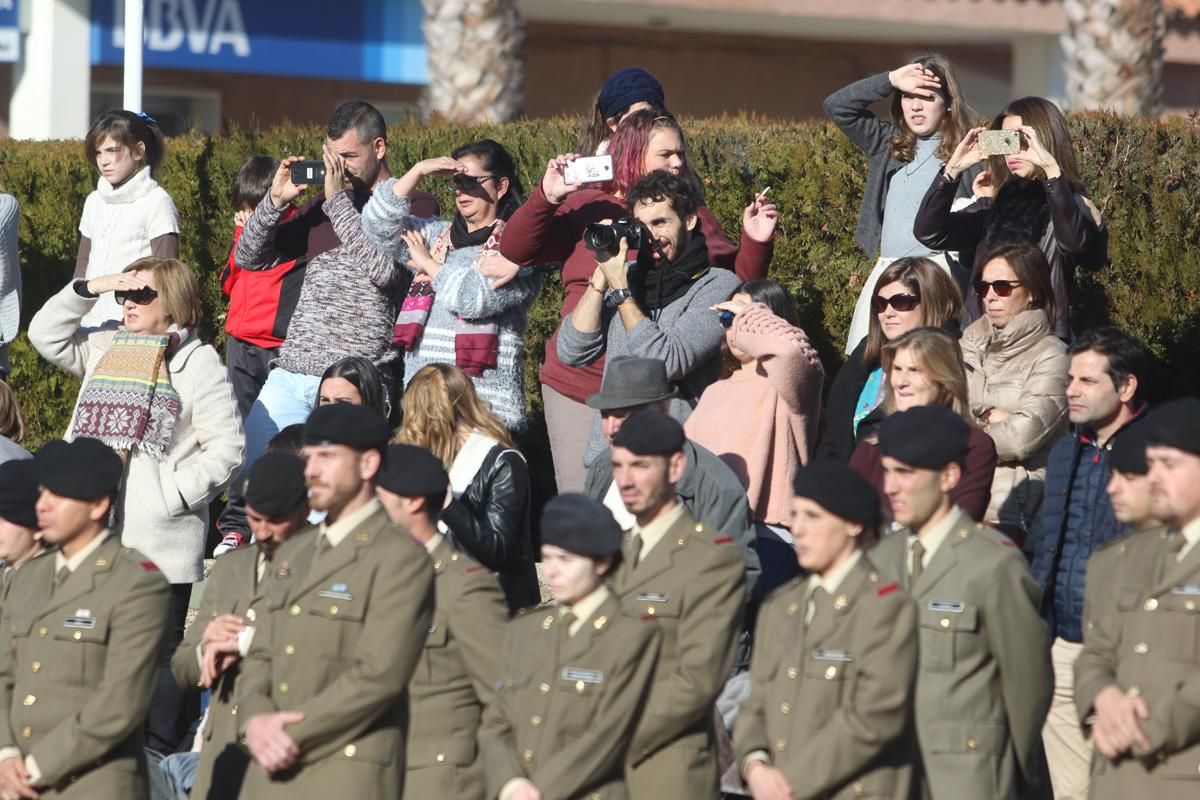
{"points": [[434, 542], [935, 536], [832, 582], [339, 530], [585, 608], [74, 562]]}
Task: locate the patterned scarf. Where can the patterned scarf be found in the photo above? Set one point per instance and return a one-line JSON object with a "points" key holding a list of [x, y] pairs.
{"points": [[476, 342], [128, 402]]}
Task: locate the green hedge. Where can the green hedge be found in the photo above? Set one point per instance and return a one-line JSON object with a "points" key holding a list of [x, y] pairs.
{"points": [[1142, 174]]}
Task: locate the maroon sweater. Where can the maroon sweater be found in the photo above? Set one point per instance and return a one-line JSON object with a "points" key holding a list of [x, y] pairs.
{"points": [[541, 232]]}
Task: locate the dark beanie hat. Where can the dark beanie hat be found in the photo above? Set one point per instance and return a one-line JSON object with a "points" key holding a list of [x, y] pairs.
{"points": [[1128, 453], [580, 525], [85, 469], [840, 490], [413, 471], [19, 493], [275, 486], [925, 437], [342, 423], [1176, 424], [626, 87], [650, 432]]}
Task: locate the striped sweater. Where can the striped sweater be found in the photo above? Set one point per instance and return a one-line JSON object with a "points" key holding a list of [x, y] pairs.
{"points": [[460, 291]]}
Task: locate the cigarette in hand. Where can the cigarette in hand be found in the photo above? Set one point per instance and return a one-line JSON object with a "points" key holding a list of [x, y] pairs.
{"points": [[763, 193]]}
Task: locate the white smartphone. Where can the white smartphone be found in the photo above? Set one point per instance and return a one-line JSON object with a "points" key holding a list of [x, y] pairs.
{"points": [[593, 169]]}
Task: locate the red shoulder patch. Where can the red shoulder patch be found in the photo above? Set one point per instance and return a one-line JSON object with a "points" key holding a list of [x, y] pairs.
{"points": [[149, 566], [723, 540], [1008, 542], [883, 591], [476, 568], [648, 617]]}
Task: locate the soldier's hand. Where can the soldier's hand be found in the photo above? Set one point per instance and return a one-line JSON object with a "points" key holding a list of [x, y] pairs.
{"points": [[222, 628], [527, 791], [269, 744], [14, 780], [767, 783], [1117, 728]]}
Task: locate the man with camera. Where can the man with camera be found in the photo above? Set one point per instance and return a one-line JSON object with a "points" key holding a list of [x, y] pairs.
{"points": [[658, 305]]}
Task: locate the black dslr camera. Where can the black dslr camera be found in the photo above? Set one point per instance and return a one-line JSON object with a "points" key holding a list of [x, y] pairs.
{"points": [[600, 238]]}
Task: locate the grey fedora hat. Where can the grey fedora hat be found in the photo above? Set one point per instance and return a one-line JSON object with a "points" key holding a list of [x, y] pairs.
{"points": [[631, 381]]}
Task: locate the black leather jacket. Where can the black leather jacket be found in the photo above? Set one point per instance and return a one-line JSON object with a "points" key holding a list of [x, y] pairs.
{"points": [[490, 521]]}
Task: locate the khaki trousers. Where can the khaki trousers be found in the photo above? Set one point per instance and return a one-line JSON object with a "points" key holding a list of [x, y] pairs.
{"points": [[1068, 753], [568, 426]]}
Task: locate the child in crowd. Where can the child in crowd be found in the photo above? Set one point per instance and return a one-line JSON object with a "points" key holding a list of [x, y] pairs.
{"points": [[129, 216], [260, 302]]}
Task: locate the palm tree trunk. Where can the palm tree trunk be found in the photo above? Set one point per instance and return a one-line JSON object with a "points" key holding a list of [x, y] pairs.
{"points": [[476, 68], [1114, 55]]}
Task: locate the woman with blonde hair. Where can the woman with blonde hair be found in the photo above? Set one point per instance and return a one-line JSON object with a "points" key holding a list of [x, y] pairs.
{"points": [[162, 399], [924, 367], [488, 513]]}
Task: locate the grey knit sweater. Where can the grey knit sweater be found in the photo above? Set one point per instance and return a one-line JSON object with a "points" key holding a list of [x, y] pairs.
{"points": [[460, 291], [10, 276]]}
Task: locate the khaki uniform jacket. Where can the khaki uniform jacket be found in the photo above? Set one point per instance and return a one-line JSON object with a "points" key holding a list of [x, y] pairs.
{"points": [[1142, 633], [232, 588], [340, 642], [455, 679], [78, 669], [693, 582], [984, 679], [566, 708], [832, 703]]}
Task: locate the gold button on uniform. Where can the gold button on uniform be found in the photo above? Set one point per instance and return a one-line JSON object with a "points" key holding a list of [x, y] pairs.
{"points": [[36, 666], [650, 610], [543, 688], [294, 611], [233, 711], [30, 700], [1190, 605], [547, 622], [579, 686], [830, 673], [792, 672], [43, 633], [535, 720], [440, 757], [27, 732], [350, 751], [971, 744], [784, 708], [290, 649], [859, 791], [283, 688], [77, 635], [944, 622], [1141, 648], [793, 608], [251, 615], [1151, 604], [333, 610], [840, 602], [780, 744], [527, 756]]}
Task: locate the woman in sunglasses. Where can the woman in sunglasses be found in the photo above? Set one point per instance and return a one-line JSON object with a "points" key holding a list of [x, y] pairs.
{"points": [[453, 314], [1016, 378], [162, 399], [771, 375], [912, 293]]}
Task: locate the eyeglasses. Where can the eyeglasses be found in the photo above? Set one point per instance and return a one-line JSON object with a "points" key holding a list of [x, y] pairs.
{"points": [[140, 297], [901, 302], [467, 182], [726, 318], [1001, 288]]}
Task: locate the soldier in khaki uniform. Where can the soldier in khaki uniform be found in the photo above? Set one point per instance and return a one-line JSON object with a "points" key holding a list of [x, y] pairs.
{"points": [[276, 507], [984, 677], [323, 693], [692, 581], [20, 539], [575, 675], [81, 633], [1136, 681], [460, 663], [830, 708]]}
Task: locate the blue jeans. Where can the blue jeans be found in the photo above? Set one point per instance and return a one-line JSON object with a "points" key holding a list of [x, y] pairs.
{"points": [[286, 399], [171, 778]]}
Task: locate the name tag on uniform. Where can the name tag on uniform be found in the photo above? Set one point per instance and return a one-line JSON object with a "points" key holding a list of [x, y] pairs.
{"points": [[339, 591], [80, 622], [947, 606], [1190, 590], [653, 597], [585, 675], [833, 655]]}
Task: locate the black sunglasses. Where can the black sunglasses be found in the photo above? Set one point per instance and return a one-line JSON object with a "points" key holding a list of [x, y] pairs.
{"points": [[1001, 288], [140, 297], [726, 318], [901, 302], [467, 182]]}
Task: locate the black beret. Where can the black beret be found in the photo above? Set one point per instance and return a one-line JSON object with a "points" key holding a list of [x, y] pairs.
{"points": [[19, 493], [840, 490], [650, 432], [413, 471], [580, 525], [1176, 424], [275, 486], [925, 437], [85, 469], [1128, 453], [342, 423]]}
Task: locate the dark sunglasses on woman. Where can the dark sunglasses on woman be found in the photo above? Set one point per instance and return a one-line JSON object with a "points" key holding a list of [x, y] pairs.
{"points": [[464, 182], [1001, 288], [726, 317], [901, 302], [140, 297]]}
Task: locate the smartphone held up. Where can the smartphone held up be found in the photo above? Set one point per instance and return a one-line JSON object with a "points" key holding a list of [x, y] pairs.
{"points": [[999, 143], [305, 172], [592, 169]]}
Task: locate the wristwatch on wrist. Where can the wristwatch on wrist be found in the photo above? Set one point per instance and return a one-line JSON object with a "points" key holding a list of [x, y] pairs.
{"points": [[616, 297], [946, 176]]}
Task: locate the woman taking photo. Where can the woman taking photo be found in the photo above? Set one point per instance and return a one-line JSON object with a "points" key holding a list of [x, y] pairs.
{"points": [[929, 117], [549, 228], [453, 314], [1016, 379], [924, 367], [830, 710], [162, 399], [771, 375], [913, 293], [488, 515], [1039, 198]]}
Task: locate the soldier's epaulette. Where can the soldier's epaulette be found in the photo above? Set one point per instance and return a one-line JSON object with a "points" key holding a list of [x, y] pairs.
{"points": [[723, 540], [475, 568], [884, 591], [1115, 541], [149, 566]]}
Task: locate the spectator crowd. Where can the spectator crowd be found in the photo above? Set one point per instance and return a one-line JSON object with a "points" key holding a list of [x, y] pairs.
{"points": [[961, 566]]}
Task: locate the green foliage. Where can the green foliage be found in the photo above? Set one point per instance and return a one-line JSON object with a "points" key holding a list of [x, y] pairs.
{"points": [[1143, 174]]}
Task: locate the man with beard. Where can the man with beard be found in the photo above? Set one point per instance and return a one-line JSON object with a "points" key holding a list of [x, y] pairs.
{"points": [[659, 307]]}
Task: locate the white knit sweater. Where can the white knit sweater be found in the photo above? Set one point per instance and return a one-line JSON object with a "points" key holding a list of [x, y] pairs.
{"points": [[10, 276]]}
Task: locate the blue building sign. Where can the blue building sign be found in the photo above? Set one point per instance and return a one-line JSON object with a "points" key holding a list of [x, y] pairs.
{"points": [[10, 33], [366, 40]]}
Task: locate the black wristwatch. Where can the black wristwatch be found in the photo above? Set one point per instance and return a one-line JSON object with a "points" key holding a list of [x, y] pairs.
{"points": [[617, 296]]}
